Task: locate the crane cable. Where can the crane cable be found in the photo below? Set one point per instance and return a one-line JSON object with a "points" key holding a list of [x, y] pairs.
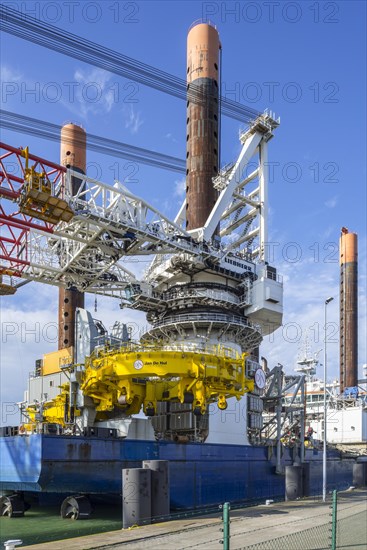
{"points": [[59, 40], [48, 130]]}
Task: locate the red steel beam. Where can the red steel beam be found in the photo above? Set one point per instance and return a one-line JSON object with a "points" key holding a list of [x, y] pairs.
{"points": [[24, 224], [13, 224], [18, 152]]}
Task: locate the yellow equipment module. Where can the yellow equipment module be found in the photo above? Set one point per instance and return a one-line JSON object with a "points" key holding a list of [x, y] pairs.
{"points": [[37, 197], [134, 376], [56, 411], [6, 286], [52, 362]]}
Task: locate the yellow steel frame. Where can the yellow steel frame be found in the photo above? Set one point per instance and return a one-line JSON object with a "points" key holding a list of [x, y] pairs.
{"points": [[130, 378], [133, 377], [37, 199], [52, 411]]}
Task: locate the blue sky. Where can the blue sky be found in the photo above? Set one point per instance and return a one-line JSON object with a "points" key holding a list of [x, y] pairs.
{"points": [[304, 60]]}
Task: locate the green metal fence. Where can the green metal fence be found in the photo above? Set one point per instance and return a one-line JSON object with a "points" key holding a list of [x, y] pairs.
{"points": [[315, 538], [351, 532], [334, 533]]}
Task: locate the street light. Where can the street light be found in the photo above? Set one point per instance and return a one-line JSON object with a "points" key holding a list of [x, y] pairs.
{"points": [[324, 476]]}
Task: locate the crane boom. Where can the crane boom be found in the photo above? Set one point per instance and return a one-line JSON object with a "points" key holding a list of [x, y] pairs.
{"points": [[84, 240]]}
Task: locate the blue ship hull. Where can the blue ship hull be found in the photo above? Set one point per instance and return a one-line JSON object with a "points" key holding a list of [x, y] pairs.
{"points": [[200, 474]]}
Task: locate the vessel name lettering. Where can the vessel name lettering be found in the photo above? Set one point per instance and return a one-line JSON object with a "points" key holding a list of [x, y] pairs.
{"points": [[237, 264]]}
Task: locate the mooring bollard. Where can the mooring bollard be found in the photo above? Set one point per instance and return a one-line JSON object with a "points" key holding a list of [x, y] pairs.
{"points": [[136, 497], [11, 544], [293, 482], [159, 487], [360, 474]]}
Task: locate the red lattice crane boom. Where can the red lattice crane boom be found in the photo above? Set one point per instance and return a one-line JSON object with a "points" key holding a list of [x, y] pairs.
{"points": [[29, 182]]}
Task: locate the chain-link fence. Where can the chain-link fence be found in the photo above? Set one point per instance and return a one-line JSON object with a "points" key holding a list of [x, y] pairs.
{"points": [[351, 532], [345, 533], [307, 524], [315, 538]]}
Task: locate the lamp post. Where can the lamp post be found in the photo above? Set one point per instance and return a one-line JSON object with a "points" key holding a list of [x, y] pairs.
{"points": [[324, 475]]}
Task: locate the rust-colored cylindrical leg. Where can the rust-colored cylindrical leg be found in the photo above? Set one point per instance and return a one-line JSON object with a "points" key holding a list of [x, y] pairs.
{"points": [[72, 155], [348, 310], [202, 123]]}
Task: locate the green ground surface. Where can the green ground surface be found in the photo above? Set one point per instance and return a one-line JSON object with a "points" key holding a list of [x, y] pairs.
{"points": [[44, 524]]}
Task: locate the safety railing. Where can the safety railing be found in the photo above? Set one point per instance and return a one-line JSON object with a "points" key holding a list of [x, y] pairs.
{"points": [[207, 317], [190, 347]]}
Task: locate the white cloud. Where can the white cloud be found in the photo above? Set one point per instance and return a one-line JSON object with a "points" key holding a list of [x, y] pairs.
{"points": [[132, 119], [180, 188], [9, 75], [171, 137], [28, 330], [10, 85], [92, 93], [331, 203], [330, 231]]}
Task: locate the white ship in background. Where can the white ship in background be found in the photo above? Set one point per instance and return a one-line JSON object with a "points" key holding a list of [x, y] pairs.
{"points": [[346, 412]]}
